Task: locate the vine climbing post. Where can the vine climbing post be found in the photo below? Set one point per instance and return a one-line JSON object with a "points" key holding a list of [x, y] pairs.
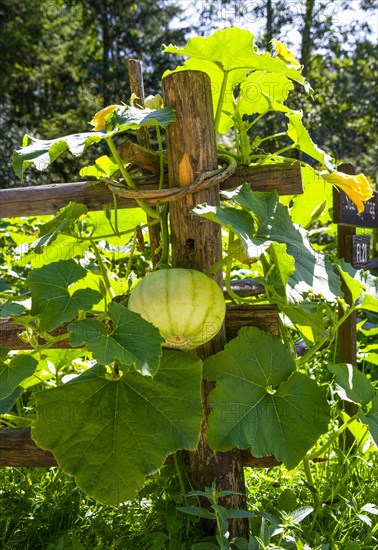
{"points": [[196, 244]]}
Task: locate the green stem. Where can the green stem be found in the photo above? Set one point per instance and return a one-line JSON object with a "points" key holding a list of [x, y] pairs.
{"points": [[129, 262], [131, 185], [220, 102], [231, 293], [255, 120], [310, 480], [280, 151], [103, 270], [115, 204], [102, 237], [332, 438], [273, 136], [161, 157], [164, 260]]}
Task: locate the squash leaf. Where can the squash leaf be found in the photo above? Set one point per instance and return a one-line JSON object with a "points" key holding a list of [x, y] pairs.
{"points": [[111, 434], [260, 402], [41, 153], [131, 340], [51, 300]]}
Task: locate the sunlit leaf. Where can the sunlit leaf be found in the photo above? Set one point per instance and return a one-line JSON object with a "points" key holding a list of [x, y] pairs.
{"points": [[232, 49], [302, 141], [362, 286], [262, 91], [352, 384], [313, 273], [111, 434], [314, 204], [51, 299], [259, 401], [308, 318], [63, 221], [131, 340], [104, 167], [41, 153]]}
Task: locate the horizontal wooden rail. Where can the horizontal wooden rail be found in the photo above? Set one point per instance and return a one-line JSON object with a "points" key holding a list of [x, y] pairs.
{"points": [[48, 199], [264, 317], [18, 449]]}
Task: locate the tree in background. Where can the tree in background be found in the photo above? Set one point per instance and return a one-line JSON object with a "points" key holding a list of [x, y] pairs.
{"points": [[63, 61], [340, 60]]}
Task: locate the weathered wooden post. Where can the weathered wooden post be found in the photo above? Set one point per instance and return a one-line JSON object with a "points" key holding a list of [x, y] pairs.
{"points": [[354, 249], [143, 138], [196, 244]]}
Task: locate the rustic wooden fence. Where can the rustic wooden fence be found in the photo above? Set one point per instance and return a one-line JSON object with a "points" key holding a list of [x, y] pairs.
{"points": [[196, 243]]}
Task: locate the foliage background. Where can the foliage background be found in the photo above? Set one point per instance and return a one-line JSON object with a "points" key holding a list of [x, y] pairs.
{"points": [[61, 61]]}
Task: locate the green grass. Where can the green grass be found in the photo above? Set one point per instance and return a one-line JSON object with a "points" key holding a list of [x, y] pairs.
{"points": [[44, 509]]}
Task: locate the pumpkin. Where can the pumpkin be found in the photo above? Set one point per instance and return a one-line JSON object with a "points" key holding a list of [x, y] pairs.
{"points": [[184, 304]]}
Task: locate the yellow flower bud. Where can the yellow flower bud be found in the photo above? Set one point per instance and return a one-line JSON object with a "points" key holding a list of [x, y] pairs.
{"points": [[154, 102], [98, 121]]}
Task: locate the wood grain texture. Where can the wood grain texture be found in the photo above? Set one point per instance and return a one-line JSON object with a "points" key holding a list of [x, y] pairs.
{"points": [[18, 449], [196, 244], [264, 317], [49, 199]]}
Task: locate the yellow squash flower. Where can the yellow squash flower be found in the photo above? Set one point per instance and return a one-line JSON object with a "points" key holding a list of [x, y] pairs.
{"points": [[98, 121], [284, 53], [356, 187]]}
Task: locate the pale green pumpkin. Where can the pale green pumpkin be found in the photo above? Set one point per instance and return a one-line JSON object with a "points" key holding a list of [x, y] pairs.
{"points": [[185, 305]]}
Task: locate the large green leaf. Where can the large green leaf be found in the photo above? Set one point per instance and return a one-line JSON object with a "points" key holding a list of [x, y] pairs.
{"points": [[41, 153], [227, 57], [110, 434], [131, 340], [130, 118], [62, 221], [127, 220], [260, 402], [352, 384], [234, 49], [313, 272], [51, 299], [262, 91], [64, 247], [12, 374]]}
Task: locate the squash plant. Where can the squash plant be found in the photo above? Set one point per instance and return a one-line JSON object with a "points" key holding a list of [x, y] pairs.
{"points": [[133, 401]]}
